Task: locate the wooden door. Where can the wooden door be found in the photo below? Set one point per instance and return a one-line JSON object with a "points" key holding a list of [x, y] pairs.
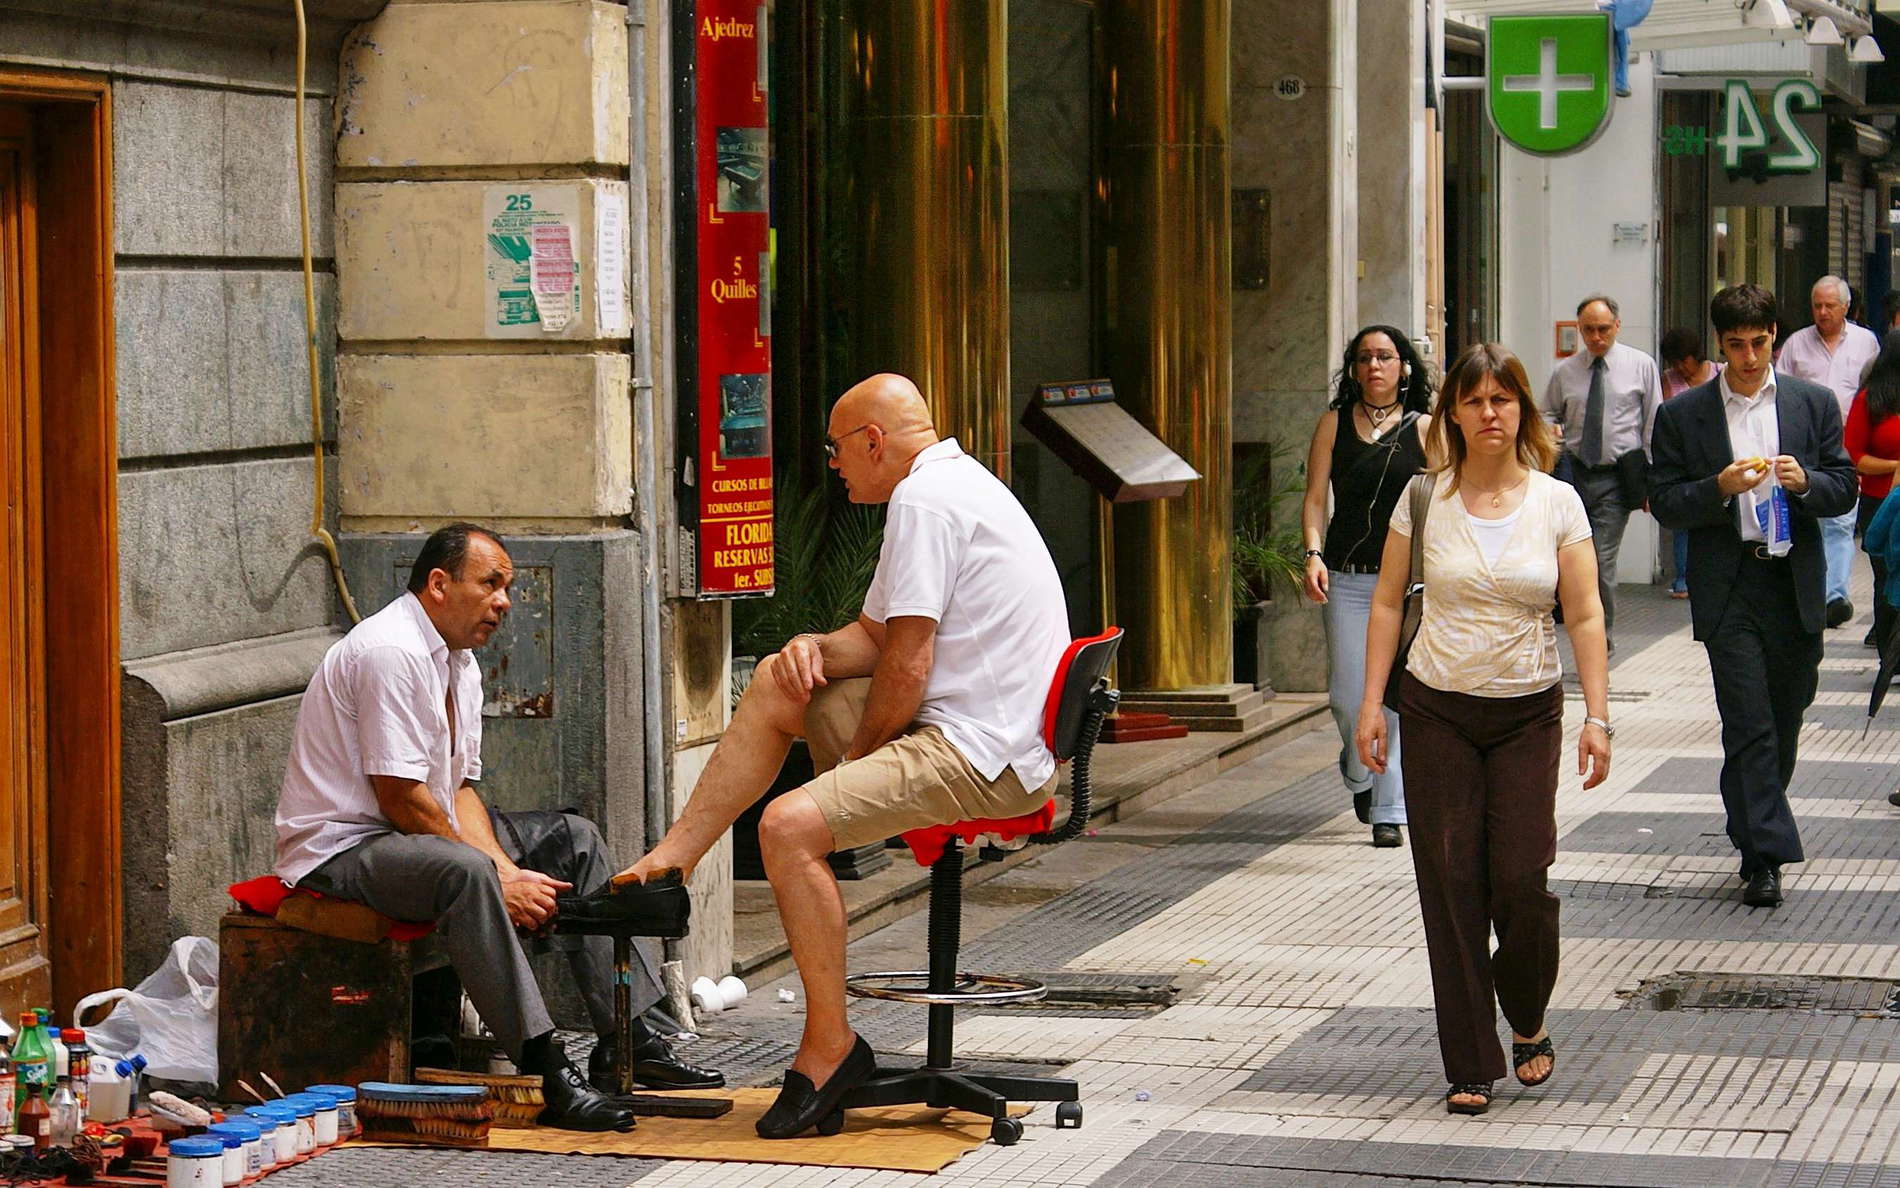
{"points": [[25, 970]]}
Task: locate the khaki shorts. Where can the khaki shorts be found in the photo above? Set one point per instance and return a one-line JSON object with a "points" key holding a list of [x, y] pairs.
{"points": [[917, 779]]}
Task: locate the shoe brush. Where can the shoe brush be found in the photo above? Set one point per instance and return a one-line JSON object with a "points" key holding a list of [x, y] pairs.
{"points": [[432, 1115], [517, 1099]]}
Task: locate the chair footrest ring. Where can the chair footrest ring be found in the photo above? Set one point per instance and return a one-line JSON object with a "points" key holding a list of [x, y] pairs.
{"points": [[913, 985]]}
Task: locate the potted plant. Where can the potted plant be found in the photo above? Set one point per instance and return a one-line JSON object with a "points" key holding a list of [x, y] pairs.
{"points": [[1267, 566], [827, 551]]}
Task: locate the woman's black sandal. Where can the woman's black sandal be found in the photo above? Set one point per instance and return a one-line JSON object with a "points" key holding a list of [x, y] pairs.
{"points": [[1478, 1089], [1523, 1054]]}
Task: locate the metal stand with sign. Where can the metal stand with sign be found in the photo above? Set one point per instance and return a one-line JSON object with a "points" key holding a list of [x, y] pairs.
{"points": [[1125, 463]]}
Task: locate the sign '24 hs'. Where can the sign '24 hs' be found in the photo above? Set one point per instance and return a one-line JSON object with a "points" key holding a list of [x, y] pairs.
{"points": [[1547, 80]]}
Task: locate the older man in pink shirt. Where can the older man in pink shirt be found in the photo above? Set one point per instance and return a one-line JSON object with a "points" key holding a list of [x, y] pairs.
{"points": [[1834, 353]]}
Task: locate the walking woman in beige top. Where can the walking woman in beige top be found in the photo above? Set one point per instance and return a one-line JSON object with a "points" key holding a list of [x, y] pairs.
{"points": [[1481, 700]]}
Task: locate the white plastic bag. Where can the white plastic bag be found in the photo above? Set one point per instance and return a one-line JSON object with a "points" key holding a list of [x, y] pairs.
{"points": [[171, 1019]]}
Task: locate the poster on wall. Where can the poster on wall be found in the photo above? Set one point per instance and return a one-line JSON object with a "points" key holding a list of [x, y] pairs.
{"points": [[723, 266]]}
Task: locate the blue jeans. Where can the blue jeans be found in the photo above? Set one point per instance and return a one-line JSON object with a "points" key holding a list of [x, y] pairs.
{"points": [[1682, 559], [1837, 541], [1348, 606]]}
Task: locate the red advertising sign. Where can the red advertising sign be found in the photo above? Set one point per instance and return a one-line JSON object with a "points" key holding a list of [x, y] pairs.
{"points": [[725, 306]]}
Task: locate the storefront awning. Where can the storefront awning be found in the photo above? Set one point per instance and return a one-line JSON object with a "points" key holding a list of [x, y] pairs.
{"points": [[1686, 24]]}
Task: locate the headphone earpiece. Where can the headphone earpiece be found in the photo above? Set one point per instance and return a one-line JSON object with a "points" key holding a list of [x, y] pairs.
{"points": [[1405, 371]]}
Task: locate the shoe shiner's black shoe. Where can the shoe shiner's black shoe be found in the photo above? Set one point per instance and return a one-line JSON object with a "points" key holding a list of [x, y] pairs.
{"points": [[1385, 836], [1362, 807], [1764, 888], [1839, 610], [572, 1105], [654, 1067], [802, 1105], [658, 907]]}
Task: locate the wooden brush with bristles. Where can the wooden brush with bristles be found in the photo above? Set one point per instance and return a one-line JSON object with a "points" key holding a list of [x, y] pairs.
{"points": [[517, 1099], [433, 1115]]}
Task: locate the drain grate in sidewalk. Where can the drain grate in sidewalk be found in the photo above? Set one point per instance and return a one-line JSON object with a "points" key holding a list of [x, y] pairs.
{"points": [[1766, 992], [1075, 993]]}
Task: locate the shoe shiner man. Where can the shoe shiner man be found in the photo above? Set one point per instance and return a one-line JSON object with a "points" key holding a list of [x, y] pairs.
{"points": [[379, 805], [924, 711]]}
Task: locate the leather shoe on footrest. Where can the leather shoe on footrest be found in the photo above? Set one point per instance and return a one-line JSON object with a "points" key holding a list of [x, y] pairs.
{"points": [[571, 1105], [802, 1105], [654, 1067], [658, 907], [1764, 888]]}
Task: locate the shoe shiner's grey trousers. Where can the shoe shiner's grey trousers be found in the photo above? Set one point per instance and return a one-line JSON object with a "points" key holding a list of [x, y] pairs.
{"points": [[424, 877]]}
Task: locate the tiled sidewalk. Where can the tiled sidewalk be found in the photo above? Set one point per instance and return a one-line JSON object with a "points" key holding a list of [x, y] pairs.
{"points": [[1302, 1048]]}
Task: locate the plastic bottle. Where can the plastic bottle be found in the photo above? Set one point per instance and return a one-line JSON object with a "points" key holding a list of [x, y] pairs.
{"points": [[9, 1087], [61, 1066], [65, 1117], [35, 1120], [32, 1062], [106, 1100], [79, 1059], [130, 1070]]}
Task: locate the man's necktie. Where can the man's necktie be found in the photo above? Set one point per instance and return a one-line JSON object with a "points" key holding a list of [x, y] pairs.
{"points": [[1593, 416]]}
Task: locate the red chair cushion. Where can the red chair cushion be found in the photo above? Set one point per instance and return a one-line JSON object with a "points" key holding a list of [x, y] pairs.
{"points": [[929, 843], [266, 893]]}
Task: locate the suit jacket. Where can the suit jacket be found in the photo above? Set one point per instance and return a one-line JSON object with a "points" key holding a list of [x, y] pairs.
{"points": [[1691, 446]]}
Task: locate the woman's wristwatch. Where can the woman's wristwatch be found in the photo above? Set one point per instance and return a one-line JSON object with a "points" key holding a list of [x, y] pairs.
{"points": [[1312, 553], [1602, 724]]}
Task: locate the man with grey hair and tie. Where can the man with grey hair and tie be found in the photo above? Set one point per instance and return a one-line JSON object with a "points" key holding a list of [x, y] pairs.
{"points": [[1602, 401], [1834, 353]]}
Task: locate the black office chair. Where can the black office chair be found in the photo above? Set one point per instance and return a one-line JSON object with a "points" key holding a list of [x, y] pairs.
{"points": [[1079, 698]]}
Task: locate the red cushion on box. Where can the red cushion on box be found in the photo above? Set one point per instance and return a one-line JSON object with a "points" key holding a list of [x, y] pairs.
{"points": [[266, 893]]}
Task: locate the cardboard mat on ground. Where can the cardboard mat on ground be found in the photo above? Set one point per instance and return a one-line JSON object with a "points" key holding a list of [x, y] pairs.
{"points": [[896, 1138]]}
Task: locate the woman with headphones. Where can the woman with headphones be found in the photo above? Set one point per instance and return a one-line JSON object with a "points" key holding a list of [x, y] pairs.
{"points": [[1367, 447]]}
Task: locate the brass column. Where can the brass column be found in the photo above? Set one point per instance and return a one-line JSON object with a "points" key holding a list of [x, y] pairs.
{"points": [[922, 228], [1170, 328]]}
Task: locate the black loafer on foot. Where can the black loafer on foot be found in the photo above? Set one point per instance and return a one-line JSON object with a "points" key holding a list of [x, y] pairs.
{"points": [[572, 1105], [1839, 611], [1764, 888], [658, 907], [1385, 836], [1362, 807], [654, 1067], [802, 1105], [1893, 798]]}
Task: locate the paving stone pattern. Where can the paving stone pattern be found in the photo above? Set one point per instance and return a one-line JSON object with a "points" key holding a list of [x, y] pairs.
{"points": [[1302, 1049]]}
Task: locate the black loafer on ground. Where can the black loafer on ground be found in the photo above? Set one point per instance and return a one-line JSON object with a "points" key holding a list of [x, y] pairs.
{"points": [[1385, 836], [802, 1105], [1764, 888], [658, 907], [1839, 611], [654, 1067], [572, 1105]]}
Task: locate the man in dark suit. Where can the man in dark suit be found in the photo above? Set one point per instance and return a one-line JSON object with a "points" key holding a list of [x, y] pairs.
{"points": [[1720, 450]]}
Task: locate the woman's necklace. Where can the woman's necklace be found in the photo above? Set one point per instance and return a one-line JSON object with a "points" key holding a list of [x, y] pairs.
{"points": [[1497, 496], [1377, 413]]}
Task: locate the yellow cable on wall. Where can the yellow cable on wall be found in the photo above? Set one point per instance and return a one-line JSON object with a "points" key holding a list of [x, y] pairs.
{"points": [[310, 337]]}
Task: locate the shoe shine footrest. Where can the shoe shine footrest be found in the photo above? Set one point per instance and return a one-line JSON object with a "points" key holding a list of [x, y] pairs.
{"points": [[913, 985]]}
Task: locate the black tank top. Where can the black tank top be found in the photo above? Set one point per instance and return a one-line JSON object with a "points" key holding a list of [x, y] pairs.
{"points": [[1368, 477]]}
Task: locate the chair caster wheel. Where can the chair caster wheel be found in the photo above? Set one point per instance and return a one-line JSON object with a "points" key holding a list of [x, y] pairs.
{"points": [[831, 1123], [1006, 1132], [1068, 1115]]}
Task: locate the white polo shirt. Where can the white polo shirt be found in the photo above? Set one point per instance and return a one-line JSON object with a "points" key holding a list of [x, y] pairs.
{"points": [[959, 548], [377, 706]]}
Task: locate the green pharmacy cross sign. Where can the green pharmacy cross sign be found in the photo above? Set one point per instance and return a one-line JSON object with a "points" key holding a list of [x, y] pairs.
{"points": [[1547, 80]]}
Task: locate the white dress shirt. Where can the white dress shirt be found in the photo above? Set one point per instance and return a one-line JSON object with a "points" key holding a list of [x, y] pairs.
{"points": [[1754, 431], [378, 705], [1632, 388], [1805, 356]]}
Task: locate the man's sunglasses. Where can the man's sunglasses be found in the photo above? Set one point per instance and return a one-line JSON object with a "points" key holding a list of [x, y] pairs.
{"points": [[831, 443]]}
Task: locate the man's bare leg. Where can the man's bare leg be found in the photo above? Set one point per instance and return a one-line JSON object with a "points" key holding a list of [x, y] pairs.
{"points": [[743, 765], [794, 840]]}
